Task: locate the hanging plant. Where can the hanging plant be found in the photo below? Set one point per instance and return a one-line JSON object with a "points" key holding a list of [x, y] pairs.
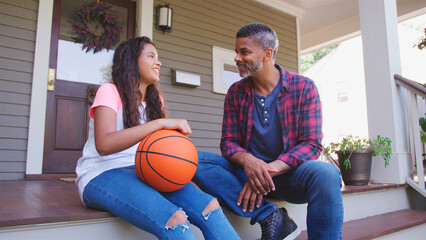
{"points": [[421, 44], [86, 21]]}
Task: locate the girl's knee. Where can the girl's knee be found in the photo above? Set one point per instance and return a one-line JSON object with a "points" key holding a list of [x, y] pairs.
{"points": [[178, 231], [179, 217], [213, 205]]}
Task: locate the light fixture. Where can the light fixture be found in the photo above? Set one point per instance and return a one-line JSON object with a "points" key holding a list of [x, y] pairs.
{"points": [[185, 78], [164, 18]]}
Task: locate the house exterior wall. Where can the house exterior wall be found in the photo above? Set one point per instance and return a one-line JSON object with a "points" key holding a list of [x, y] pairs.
{"points": [[18, 22], [197, 27]]}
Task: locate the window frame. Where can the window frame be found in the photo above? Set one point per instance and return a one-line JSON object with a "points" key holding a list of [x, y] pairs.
{"points": [[221, 56]]}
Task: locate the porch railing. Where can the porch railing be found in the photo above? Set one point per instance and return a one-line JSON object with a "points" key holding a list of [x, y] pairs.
{"points": [[414, 95], [325, 158]]}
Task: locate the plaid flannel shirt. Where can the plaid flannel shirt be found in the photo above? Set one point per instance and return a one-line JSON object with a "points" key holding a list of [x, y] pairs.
{"points": [[299, 109]]}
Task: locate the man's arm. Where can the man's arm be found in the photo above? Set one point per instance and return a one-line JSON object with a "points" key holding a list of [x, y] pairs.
{"points": [[307, 139], [231, 140]]}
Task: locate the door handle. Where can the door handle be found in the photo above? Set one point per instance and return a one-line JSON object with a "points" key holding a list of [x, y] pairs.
{"points": [[51, 79]]}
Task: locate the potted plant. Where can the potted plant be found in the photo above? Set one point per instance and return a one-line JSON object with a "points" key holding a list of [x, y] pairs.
{"points": [[355, 155]]}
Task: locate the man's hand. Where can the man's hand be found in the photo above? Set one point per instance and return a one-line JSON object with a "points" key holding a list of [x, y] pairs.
{"points": [[258, 173], [249, 195]]}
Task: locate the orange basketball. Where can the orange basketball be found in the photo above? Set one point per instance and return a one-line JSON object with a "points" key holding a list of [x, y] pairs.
{"points": [[166, 160]]}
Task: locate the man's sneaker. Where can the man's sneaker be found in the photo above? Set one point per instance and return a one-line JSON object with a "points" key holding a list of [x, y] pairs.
{"points": [[278, 226]]}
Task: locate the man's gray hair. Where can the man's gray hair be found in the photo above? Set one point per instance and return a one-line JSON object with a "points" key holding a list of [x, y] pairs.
{"points": [[262, 34]]}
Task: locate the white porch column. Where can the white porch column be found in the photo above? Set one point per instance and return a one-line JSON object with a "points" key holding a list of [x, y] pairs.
{"points": [[378, 20], [39, 88], [144, 17]]}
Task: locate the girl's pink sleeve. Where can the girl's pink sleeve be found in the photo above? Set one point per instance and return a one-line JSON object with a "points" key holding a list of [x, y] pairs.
{"points": [[106, 96]]}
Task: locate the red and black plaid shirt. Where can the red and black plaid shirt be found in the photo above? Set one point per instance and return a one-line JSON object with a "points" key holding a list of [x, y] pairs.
{"points": [[299, 110]]}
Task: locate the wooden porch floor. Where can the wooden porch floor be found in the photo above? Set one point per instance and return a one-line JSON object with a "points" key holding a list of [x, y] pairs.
{"points": [[47, 201], [43, 201]]}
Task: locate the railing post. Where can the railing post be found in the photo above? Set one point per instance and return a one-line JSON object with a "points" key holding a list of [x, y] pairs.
{"points": [[417, 141], [415, 95]]}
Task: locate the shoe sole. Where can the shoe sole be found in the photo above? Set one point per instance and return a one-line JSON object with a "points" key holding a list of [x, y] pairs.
{"points": [[293, 235]]}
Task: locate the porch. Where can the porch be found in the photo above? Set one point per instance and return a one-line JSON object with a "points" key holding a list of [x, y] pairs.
{"points": [[51, 209], [42, 209]]}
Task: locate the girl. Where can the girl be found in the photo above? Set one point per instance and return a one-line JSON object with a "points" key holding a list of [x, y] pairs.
{"points": [[123, 113]]}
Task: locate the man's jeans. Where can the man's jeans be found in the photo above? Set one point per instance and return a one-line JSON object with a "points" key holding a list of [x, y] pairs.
{"points": [[314, 182]]}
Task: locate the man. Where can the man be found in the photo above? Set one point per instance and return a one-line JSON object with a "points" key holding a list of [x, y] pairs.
{"points": [[271, 130]]}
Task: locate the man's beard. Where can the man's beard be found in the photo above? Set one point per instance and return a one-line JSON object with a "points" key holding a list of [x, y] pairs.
{"points": [[252, 68]]}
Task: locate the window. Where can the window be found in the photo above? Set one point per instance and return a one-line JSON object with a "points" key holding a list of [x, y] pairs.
{"points": [[73, 63], [342, 97], [342, 91], [225, 72]]}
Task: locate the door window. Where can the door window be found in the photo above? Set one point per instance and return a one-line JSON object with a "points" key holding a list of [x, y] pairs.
{"points": [[73, 63]]}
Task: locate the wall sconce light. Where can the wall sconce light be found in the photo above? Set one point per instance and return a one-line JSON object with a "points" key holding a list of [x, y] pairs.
{"points": [[164, 18]]}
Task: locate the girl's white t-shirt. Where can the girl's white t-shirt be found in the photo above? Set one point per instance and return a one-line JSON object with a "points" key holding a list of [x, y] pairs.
{"points": [[91, 164]]}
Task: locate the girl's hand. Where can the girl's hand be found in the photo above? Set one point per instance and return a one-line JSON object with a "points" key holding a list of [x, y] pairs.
{"points": [[178, 124]]}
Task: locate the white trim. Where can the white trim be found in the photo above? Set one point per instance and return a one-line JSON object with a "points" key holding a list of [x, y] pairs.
{"points": [[330, 42], [51, 225], [416, 186], [221, 56], [144, 17], [101, 228], [283, 7], [299, 62], [39, 88], [330, 34], [348, 28]]}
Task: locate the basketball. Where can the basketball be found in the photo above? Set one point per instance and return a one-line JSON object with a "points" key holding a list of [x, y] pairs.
{"points": [[166, 160]]}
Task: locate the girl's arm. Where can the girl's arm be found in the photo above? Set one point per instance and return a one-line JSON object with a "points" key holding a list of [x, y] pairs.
{"points": [[108, 140]]}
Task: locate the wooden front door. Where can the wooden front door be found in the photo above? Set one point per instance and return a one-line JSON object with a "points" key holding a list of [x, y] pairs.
{"points": [[78, 74]]}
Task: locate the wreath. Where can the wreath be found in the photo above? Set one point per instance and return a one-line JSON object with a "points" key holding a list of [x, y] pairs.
{"points": [[98, 13]]}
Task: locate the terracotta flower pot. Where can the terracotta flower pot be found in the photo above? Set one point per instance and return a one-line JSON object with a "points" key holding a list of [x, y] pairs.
{"points": [[359, 172]]}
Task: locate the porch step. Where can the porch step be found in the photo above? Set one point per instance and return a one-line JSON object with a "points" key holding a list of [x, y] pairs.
{"points": [[47, 207], [380, 225]]}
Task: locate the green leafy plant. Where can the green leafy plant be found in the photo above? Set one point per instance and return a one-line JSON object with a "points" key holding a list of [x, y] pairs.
{"points": [[422, 123], [378, 146]]}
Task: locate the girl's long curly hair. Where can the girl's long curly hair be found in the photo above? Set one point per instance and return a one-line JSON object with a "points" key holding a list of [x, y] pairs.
{"points": [[126, 77]]}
